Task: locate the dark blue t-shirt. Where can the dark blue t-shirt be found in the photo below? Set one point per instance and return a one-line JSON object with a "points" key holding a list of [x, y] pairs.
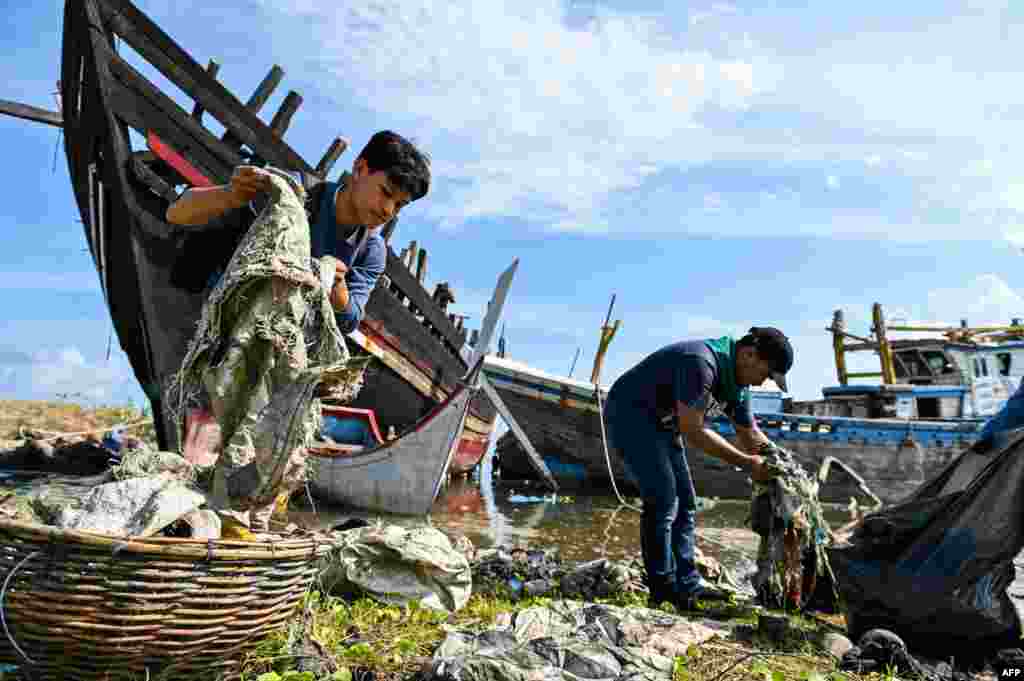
{"points": [[686, 372], [365, 254]]}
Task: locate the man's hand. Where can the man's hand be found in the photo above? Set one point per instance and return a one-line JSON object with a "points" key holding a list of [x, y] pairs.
{"points": [[758, 470], [339, 292], [248, 182]]}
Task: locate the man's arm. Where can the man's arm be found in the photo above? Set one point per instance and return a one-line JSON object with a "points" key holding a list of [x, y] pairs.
{"points": [[351, 293], [690, 422], [750, 436], [200, 205]]}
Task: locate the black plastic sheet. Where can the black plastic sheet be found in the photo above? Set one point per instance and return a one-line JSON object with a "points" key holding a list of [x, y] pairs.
{"points": [[935, 568]]}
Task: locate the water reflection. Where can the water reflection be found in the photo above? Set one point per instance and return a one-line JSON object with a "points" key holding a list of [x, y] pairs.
{"points": [[583, 526]]}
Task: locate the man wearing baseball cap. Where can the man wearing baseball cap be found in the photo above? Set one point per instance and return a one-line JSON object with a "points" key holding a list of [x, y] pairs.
{"points": [[666, 395]]}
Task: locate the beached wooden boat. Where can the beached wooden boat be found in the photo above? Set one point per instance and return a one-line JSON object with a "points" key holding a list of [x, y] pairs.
{"points": [[931, 405], [405, 475], [124, 182]]}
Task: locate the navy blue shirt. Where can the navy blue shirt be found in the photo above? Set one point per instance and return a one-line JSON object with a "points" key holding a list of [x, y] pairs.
{"points": [[685, 372], [363, 251]]}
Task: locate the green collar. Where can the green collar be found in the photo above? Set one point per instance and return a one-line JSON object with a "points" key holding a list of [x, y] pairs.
{"points": [[725, 389]]}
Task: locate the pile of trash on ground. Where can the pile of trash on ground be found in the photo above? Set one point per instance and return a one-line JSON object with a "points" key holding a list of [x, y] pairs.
{"points": [[572, 640]]}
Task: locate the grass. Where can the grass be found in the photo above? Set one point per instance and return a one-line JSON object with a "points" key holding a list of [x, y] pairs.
{"points": [[397, 642]]}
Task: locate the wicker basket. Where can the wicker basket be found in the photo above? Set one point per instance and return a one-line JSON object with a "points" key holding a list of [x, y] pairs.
{"points": [[76, 605]]}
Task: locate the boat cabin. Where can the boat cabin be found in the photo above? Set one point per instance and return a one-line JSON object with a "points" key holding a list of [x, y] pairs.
{"points": [[962, 372]]}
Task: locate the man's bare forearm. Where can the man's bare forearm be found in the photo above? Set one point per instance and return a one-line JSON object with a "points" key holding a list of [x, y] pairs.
{"points": [[751, 439], [199, 205], [717, 446]]}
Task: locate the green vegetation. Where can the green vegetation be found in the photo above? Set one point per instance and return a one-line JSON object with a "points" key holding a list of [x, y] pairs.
{"points": [[397, 642]]}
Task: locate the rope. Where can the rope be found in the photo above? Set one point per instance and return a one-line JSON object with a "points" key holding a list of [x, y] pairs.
{"points": [[3, 612], [607, 456], [611, 476]]}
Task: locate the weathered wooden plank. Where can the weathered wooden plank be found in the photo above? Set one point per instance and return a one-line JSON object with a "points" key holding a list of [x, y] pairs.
{"points": [[524, 441], [31, 113], [265, 89], [408, 349], [150, 41], [330, 157], [160, 113], [212, 68], [283, 118], [416, 340], [152, 180], [418, 297], [142, 115], [421, 266], [257, 100]]}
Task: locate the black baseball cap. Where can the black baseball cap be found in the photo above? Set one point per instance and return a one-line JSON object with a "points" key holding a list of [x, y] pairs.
{"points": [[774, 347]]}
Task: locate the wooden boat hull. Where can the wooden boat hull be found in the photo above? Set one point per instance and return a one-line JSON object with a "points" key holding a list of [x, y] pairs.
{"points": [[403, 476], [123, 193], [560, 418]]}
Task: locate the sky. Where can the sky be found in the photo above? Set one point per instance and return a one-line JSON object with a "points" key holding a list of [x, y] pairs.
{"points": [[713, 165]]}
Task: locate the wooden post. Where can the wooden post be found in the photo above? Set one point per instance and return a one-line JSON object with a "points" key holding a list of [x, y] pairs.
{"points": [[421, 266], [337, 148], [573, 365], [265, 88], [283, 118], [838, 327], [884, 349], [607, 333], [413, 249], [213, 68], [31, 113], [532, 456], [258, 99]]}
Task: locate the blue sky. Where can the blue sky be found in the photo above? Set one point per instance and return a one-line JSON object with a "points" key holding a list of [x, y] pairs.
{"points": [[715, 165]]}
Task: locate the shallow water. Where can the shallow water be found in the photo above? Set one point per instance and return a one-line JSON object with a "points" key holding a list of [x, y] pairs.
{"points": [[583, 525]]}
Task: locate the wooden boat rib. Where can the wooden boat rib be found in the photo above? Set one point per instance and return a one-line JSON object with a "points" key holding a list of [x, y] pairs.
{"points": [[123, 192]]}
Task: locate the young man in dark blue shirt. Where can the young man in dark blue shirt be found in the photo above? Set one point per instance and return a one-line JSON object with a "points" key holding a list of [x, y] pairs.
{"points": [[666, 394], [347, 218]]}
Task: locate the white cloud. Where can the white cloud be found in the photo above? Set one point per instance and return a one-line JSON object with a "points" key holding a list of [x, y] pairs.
{"points": [[984, 300], [533, 111], [66, 373], [527, 114]]}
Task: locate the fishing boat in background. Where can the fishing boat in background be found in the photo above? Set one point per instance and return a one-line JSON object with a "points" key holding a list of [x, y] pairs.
{"points": [[132, 146], [935, 394]]}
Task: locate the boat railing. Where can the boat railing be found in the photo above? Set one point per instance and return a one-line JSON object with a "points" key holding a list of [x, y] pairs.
{"points": [[879, 343], [798, 427]]}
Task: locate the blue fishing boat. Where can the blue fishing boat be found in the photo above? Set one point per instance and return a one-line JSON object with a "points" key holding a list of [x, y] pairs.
{"points": [[934, 396]]}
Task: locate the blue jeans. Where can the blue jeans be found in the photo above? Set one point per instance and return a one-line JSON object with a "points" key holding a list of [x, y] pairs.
{"points": [[667, 526]]}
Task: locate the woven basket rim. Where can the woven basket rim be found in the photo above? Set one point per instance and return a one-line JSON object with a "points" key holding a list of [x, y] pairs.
{"points": [[267, 549]]}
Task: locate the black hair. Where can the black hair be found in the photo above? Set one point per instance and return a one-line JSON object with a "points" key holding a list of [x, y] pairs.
{"points": [[407, 167], [771, 344]]}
